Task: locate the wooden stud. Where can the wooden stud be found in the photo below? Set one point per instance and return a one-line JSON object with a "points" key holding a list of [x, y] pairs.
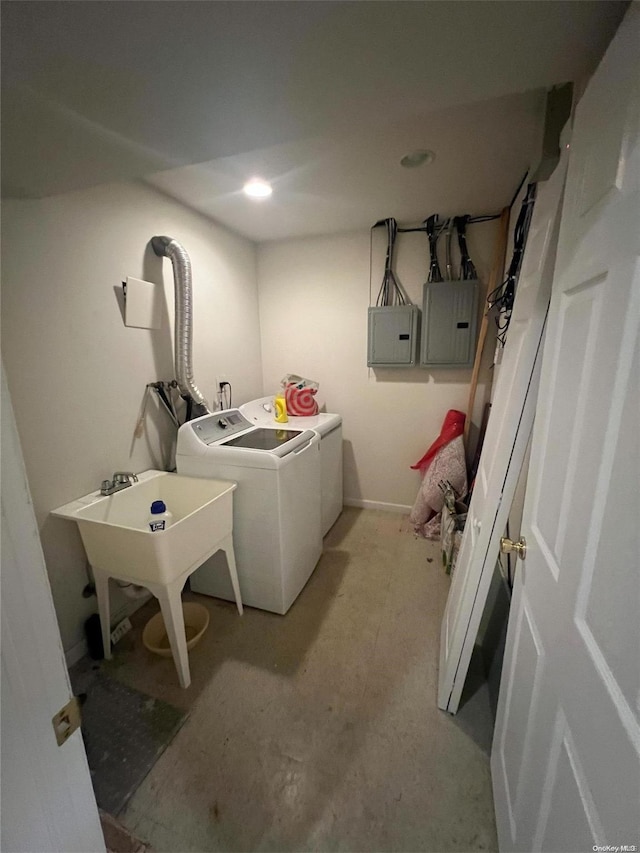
{"points": [[495, 278]]}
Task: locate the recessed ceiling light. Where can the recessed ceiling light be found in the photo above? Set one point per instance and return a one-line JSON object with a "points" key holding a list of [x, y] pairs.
{"points": [[419, 157], [257, 188]]}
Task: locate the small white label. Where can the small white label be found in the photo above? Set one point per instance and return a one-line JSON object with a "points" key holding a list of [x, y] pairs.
{"points": [[157, 525]]}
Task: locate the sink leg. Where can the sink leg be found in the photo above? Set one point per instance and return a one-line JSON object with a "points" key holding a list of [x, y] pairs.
{"points": [[170, 599], [227, 547], [102, 593]]}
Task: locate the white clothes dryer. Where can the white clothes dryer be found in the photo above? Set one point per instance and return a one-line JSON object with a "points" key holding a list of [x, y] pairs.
{"points": [[276, 507], [329, 428]]}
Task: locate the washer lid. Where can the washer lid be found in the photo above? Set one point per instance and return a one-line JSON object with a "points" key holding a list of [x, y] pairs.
{"points": [[263, 439]]}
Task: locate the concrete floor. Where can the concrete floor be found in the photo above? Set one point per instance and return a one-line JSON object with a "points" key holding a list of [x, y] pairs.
{"points": [[319, 730]]}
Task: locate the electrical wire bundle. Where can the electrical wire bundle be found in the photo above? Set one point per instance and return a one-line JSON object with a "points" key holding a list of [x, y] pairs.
{"points": [[390, 292], [434, 229], [504, 295], [467, 268], [448, 263]]}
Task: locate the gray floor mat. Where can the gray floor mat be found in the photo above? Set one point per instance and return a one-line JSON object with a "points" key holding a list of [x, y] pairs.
{"points": [[124, 732]]}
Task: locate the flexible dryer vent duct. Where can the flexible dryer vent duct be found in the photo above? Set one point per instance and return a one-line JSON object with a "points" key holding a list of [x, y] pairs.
{"points": [[167, 247]]}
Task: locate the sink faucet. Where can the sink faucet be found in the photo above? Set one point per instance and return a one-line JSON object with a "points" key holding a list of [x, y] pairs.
{"points": [[121, 480]]}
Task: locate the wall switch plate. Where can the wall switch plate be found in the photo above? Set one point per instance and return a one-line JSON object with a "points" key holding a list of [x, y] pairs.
{"points": [[120, 630]]}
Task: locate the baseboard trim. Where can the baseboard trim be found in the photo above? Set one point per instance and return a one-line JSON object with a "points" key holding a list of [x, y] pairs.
{"points": [[76, 652], [381, 505]]}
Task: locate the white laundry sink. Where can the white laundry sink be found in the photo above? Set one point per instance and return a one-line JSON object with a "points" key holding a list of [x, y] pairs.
{"points": [[117, 539]]}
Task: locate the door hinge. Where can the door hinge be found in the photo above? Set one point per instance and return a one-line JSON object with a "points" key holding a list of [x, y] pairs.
{"points": [[67, 720]]}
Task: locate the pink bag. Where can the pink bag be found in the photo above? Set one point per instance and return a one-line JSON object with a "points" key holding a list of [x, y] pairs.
{"points": [[301, 401]]}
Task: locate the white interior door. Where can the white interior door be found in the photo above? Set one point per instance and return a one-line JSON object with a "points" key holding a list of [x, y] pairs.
{"points": [[508, 432], [47, 798], [566, 751]]}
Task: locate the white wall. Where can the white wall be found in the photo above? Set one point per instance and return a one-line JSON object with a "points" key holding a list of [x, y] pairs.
{"points": [[314, 295], [77, 374]]}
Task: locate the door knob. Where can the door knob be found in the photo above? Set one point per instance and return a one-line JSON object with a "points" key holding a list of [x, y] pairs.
{"points": [[507, 546]]}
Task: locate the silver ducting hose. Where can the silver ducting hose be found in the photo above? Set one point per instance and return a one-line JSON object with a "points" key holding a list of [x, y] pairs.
{"points": [[167, 247]]}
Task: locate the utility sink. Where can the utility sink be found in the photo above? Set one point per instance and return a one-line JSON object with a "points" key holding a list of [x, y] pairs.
{"points": [[119, 544], [118, 541]]}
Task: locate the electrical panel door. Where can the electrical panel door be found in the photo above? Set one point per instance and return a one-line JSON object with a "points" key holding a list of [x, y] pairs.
{"points": [[393, 336], [450, 313]]}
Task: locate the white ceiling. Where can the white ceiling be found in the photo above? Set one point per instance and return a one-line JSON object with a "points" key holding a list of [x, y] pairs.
{"points": [[348, 182], [322, 97]]}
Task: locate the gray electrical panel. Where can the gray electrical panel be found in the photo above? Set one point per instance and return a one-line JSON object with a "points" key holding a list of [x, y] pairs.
{"points": [[450, 312], [393, 336]]}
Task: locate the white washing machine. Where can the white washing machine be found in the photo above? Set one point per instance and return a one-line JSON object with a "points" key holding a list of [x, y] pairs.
{"points": [[276, 507], [329, 428]]}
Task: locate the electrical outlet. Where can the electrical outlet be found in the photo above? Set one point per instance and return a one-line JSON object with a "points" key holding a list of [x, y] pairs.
{"points": [[120, 630], [222, 391]]}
